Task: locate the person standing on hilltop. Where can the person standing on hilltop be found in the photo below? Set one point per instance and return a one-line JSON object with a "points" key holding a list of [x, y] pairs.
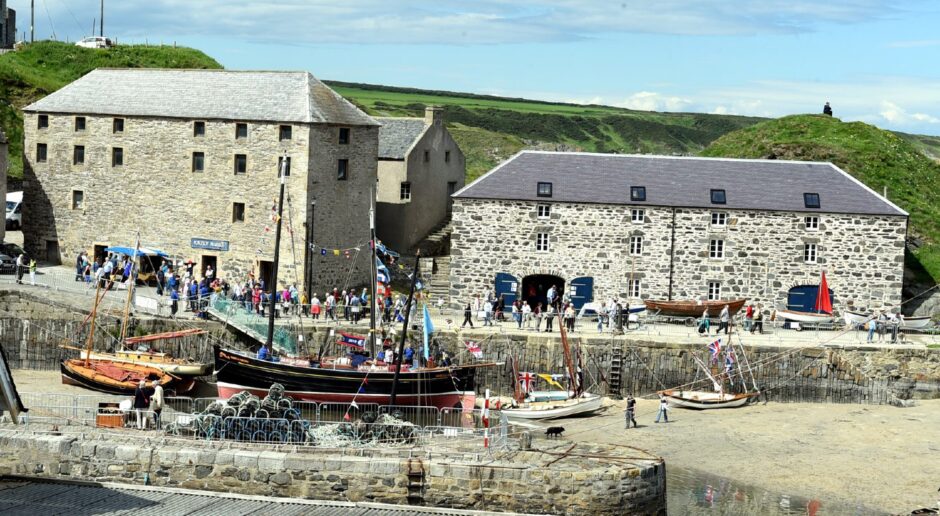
{"points": [[827, 110]]}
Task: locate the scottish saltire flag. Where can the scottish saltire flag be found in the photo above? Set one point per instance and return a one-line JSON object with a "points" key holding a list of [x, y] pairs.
{"points": [[353, 341], [729, 364], [714, 348], [474, 348], [428, 330], [380, 267]]}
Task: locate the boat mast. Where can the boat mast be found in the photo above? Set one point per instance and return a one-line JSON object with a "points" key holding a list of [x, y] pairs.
{"points": [[132, 277], [572, 373], [375, 284], [282, 173], [91, 327], [404, 331]]}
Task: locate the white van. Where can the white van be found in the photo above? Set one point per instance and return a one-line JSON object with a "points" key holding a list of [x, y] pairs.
{"points": [[14, 210]]}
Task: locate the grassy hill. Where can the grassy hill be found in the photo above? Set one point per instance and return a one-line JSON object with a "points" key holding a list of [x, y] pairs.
{"points": [[41, 68], [880, 159]]}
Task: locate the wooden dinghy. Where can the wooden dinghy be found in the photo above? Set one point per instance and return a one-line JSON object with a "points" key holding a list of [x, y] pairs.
{"points": [[702, 400], [693, 308], [804, 317], [110, 377], [585, 404]]}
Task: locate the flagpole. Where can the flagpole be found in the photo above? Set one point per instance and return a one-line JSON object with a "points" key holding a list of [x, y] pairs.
{"points": [[282, 172], [404, 331], [374, 274]]}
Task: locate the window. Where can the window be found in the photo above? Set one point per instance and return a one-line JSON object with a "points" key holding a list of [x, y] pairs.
{"points": [[344, 136], [241, 164], [714, 291], [117, 157], [716, 248], [78, 200], [544, 211], [78, 155], [811, 223], [342, 170], [238, 212], [541, 242], [809, 253], [405, 191], [637, 216], [79, 123], [117, 126], [285, 133], [446, 156], [633, 288], [41, 153], [811, 200], [43, 121], [199, 161], [199, 128], [637, 193], [280, 161], [544, 189], [718, 197], [427, 156], [636, 245], [719, 219], [451, 188], [241, 131]]}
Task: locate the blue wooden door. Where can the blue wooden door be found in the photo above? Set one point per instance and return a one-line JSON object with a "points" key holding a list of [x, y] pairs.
{"points": [[507, 285], [581, 291], [802, 298]]}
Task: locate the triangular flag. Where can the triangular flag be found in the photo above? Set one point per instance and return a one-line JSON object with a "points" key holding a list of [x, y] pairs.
{"points": [[365, 380], [323, 252], [346, 417], [335, 252], [354, 405]]}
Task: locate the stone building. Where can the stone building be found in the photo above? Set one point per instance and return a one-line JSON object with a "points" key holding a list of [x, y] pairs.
{"points": [[189, 158], [7, 25], [420, 167], [670, 228]]}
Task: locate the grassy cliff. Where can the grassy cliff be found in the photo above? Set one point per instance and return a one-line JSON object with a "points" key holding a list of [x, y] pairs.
{"points": [[880, 159], [41, 68]]}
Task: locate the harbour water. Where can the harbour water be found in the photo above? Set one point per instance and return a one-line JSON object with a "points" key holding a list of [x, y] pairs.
{"points": [[690, 492]]}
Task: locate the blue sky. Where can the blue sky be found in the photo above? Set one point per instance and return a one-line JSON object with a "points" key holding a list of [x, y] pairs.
{"points": [[875, 61]]}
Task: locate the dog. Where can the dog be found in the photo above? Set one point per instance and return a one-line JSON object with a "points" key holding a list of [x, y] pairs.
{"points": [[554, 431]]}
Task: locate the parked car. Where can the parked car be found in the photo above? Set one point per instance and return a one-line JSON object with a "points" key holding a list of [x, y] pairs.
{"points": [[8, 254], [14, 210], [95, 42]]}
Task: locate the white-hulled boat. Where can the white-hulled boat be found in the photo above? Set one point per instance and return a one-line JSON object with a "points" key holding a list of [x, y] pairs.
{"points": [[804, 317], [916, 323], [854, 319], [702, 400], [551, 408]]}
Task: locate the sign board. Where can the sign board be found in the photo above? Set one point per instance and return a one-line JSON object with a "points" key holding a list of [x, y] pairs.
{"points": [[205, 243]]}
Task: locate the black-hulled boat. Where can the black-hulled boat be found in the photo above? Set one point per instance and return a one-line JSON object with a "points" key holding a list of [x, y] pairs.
{"points": [[442, 387]]}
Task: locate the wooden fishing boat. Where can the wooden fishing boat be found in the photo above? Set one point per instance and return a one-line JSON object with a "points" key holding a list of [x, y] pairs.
{"points": [[583, 405], [110, 377], [702, 400], [805, 317], [693, 308], [161, 361]]}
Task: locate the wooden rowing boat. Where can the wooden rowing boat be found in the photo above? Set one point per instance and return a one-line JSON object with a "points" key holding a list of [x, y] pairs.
{"points": [[804, 317], [110, 377], [585, 404], [702, 400], [693, 308]]}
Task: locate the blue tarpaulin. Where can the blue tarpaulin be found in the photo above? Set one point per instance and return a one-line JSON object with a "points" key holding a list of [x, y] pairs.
{"points": [[143, 251]]}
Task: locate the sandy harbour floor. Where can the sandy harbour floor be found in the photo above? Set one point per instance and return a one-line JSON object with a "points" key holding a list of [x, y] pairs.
{"points": [[880, 457]]}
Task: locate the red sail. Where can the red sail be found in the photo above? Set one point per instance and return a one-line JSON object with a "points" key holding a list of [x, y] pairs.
{"points": [[823, 302]]}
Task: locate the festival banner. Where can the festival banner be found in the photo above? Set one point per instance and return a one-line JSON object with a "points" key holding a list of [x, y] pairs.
{"points": [[353, 341]]}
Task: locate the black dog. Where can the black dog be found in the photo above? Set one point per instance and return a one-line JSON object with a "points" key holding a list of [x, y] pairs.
{"points": [[554, 431]]}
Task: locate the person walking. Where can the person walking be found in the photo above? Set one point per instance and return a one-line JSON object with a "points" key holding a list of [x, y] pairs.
{"points": [[663, 408], [174, 302], [517, 313], [569, 318], [630, 411], [20, 267], [487, 314], [156, 404], [758, 324], [549, 315], [32, 271], [526, 314], [724, 318], [704, 325], [141, 404], [467, 316], [748, 317], [872, 326]]}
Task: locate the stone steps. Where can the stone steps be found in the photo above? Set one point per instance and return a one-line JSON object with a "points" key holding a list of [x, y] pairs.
{"points": [[440, 280]]}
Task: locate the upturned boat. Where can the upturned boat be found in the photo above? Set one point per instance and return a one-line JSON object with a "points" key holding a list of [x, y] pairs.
{"points": [[693, 308]]}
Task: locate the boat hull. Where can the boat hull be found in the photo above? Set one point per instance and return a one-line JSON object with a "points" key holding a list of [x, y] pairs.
{"points": [[804, 317], [439, 387], [693, 308], [545, 410], [159, 361], [700, 400], [74, 372], [916, 323], [853, 319]]}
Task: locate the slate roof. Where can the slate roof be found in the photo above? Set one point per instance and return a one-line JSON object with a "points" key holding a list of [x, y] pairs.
{"points": [[397, 135], [210, 94], [678, 182]]}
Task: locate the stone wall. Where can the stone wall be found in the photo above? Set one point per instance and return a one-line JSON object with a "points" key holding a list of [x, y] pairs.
{"points": [[517, 481], [863, 256], [157, 192]]}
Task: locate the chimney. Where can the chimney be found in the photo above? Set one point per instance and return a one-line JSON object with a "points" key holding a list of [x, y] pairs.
{"points": [[433, 115]]}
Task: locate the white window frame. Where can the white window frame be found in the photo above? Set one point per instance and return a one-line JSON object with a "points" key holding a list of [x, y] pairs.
{"points": [[636, 245], [543, 211], [810, 253], [637, 215], [633, 289], [714, 290], [716, 249], [719, 219], [404, 191], [811, 222], [541, 242]]}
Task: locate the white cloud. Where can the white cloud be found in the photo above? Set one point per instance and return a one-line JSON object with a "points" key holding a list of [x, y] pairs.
{"points": [[899, 116], [652, 101]]}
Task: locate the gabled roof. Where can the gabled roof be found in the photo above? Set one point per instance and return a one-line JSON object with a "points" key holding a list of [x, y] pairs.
{"points": [[678, 182], [398, 135], [209, 94]]}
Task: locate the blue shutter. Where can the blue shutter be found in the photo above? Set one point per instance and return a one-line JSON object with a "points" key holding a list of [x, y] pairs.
{"points": [[506, 285], [581, 291], [802, 298]]}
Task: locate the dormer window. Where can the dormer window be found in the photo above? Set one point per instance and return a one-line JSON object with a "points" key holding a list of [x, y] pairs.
{"points": [[637, 193], [811, 200], [544, 189], [718, 197]]}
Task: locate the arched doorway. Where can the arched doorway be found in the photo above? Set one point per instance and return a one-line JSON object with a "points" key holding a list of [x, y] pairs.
{"points": [[535, 286]]}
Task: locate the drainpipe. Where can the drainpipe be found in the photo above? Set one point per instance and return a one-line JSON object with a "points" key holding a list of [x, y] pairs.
{"points": [[672, 253]]}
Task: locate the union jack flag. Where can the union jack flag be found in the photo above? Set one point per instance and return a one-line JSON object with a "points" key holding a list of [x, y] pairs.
{"points": [[527, 381], [714, 348]]}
